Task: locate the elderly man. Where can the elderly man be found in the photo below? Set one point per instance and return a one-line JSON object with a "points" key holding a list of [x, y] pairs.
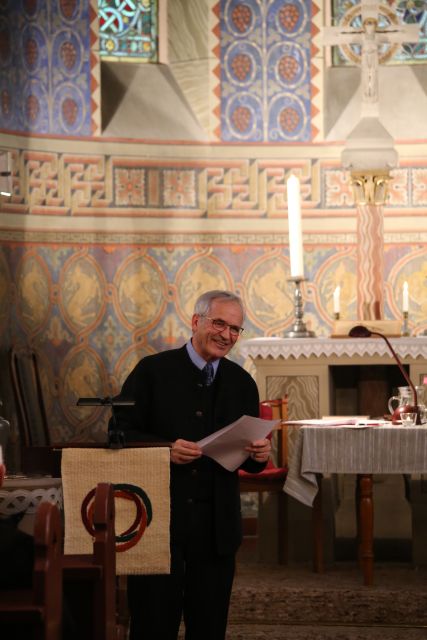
{"points": [[181, 396]]}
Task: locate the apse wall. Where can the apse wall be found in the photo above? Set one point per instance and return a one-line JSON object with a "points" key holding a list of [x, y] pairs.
{"points": [[107, 242]]}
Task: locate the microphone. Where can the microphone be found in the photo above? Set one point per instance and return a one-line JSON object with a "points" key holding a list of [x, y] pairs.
{"points": [[360, 331], [102, 402], [116, 437]]}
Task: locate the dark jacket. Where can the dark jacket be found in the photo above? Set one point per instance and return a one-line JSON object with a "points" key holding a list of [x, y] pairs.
{"points": [[172, 402]]}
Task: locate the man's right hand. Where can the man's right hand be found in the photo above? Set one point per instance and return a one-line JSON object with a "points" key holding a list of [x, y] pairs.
{"points": [[184, 451]]}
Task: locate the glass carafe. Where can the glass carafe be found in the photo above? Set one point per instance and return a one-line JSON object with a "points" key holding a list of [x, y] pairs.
{"points": [[401, 403]]}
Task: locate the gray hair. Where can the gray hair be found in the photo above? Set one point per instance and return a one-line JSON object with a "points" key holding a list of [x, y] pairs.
{"points": [[204, 302]]}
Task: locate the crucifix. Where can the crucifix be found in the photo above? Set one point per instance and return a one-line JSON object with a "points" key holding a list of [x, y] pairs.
{"points": [[369, 152], [370, 37]]}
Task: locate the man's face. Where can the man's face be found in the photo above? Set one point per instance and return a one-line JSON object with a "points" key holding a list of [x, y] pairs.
{"points": [[209, 342]]}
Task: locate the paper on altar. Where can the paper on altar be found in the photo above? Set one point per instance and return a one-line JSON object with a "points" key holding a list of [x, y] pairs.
{"points": [[361, 424], [339, 422], [227, 446]]}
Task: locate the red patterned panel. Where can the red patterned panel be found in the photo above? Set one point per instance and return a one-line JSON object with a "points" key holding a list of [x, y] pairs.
{"points": [[289, 15], [31, 52], [68, 8], [68, 55], [242, 17]]}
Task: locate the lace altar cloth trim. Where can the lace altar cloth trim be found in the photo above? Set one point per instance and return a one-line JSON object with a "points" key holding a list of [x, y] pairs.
{"points": [[19, 500], [308, 347]]}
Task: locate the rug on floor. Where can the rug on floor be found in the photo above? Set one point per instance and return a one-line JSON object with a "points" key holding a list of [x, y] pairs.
{"points": [[274, 602]]}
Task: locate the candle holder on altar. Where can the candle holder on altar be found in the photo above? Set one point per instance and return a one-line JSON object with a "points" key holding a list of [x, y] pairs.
{"points": [[405, 328], [336, 315], [298, 329]]}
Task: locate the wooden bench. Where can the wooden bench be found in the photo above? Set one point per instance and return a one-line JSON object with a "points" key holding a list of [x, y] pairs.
{"points": [[36, 612], [90, 579]]}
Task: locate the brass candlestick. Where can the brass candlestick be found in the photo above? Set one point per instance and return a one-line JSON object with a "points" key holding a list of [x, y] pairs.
{"points": [[298, 329], [405, 328]]}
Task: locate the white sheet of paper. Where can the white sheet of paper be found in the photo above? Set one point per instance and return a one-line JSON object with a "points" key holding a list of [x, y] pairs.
{"points": [[227, 446], [330, 422]]}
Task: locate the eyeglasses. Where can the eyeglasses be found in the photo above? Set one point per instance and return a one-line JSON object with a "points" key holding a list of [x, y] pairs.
{"points": [[220, 325]]}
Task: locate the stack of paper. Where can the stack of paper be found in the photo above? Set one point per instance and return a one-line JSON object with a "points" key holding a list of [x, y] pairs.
{"points": [[227, 446]]}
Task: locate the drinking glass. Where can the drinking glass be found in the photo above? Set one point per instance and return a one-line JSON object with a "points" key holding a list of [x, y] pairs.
{"points": [[409, 419]]}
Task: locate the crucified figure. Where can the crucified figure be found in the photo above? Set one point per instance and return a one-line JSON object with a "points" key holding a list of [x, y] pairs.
{"points": [[370, 37], [369, 61]]}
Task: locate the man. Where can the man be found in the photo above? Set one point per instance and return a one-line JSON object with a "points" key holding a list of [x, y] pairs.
{"points": [[176, 402]]}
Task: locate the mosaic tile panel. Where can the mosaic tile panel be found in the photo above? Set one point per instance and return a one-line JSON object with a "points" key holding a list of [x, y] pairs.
{"points": [[45, 84], [265, 71]]}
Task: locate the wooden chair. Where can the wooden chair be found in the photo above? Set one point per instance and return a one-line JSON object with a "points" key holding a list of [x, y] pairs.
{"points": [[90, 579], [36, 613], [28, 394], [33, 427], [273, 477], [39, 454]]}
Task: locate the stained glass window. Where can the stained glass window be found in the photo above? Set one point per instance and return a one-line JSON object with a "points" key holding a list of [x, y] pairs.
{"points": [[400, 12], [128, 30]]}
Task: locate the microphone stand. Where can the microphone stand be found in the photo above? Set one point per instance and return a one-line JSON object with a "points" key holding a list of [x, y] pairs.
{"points": [[361, 331], [116, 437]]}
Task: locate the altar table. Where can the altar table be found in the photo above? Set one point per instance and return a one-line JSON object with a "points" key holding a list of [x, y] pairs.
{"points": [[307, 369], [363, 451], [22, 494]]}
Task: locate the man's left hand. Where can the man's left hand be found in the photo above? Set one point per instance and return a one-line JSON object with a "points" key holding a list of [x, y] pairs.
{"points": [[259, 450]]}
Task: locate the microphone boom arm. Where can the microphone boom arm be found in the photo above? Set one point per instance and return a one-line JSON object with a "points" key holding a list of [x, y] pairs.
{"points": [[399, 364], [360, 331]]}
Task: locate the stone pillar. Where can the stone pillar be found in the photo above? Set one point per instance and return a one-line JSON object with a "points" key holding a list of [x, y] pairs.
{"points": [[370, 262]]}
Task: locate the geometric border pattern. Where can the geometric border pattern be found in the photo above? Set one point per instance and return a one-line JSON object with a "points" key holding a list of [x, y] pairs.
{"points": [[77, 184]]}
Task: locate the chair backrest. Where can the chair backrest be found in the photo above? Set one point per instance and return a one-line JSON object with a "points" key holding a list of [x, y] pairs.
{"points": [[93, 576], [38, 607], [277, 410], [28, 394], [47, 576], [104, 550]]}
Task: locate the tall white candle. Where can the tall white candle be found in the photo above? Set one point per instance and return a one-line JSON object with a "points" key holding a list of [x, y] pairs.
{"points": [[337, 293], [405, 297], [295, 227]]}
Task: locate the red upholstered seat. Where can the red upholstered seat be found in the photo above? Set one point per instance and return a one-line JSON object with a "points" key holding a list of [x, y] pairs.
{"points": [[271, 472]]}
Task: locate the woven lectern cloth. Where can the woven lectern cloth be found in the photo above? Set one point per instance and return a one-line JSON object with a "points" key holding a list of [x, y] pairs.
{"points": [[145, 472]]}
